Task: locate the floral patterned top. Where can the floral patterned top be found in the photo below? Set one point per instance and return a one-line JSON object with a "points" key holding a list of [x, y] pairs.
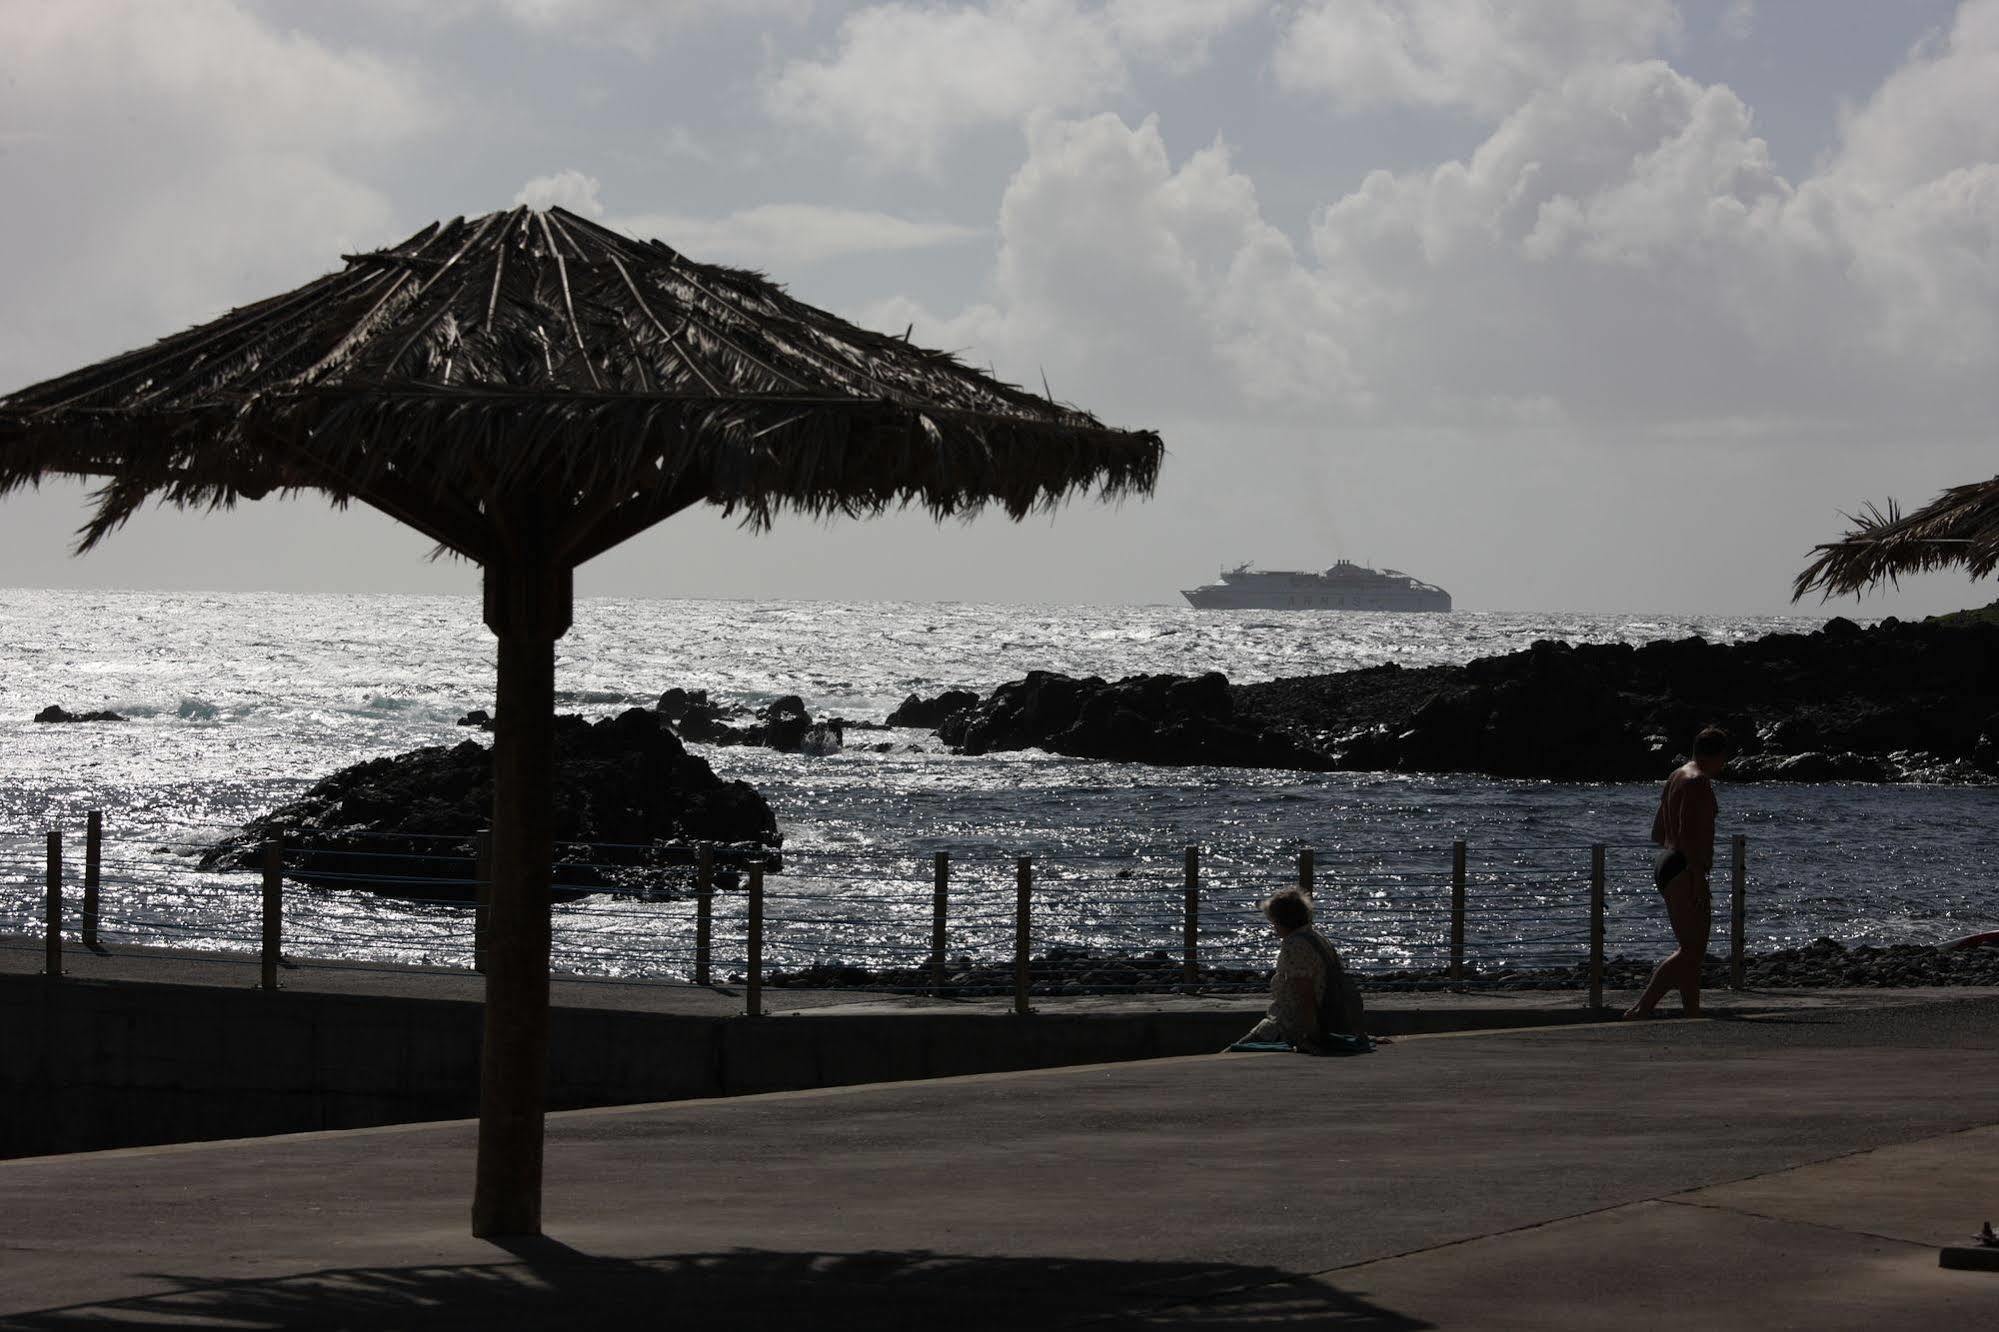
{"points": [[1289, 1019]]}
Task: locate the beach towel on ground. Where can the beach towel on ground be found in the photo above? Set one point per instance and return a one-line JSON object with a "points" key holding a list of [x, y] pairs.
{"points": [[1336, 1044], [1332, 1044]]}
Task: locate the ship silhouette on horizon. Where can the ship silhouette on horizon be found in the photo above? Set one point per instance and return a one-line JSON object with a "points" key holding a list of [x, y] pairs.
{"points": [[1346, 586]]}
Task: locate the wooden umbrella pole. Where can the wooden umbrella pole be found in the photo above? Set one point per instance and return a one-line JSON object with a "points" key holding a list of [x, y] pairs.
{"points": [[528, 614]]}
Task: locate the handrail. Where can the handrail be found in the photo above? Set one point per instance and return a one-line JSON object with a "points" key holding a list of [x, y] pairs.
{"points": [[880, 920]]}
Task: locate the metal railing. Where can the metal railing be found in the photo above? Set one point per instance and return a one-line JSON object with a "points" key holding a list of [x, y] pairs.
{"points": [[943, 924]]}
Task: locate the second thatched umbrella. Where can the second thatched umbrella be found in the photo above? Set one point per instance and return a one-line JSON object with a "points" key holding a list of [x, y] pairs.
{"points": [[1958, 529], [528, 390]]}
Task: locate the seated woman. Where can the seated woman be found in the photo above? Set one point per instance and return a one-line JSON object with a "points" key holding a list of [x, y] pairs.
{"points": [[1308, 972]]}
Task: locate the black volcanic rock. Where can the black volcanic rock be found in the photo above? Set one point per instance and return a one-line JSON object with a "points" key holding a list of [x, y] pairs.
{"points": [[677, 703], [624, 784], [1894, 702], [56, 713], [785, 722], [1897, 702], [698, 721], [782, 724], [1170, 720], [930, 713]]}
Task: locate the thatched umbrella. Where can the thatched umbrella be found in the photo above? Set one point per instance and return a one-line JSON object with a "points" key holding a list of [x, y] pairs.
{"points": [[1959, 528], [528, 390]]}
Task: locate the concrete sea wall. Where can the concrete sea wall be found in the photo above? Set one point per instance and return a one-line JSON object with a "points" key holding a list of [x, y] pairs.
{"points": [[86, 1064]]}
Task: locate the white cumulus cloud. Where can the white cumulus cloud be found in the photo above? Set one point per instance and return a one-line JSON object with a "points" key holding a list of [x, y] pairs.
{"points": [[1151, 283], [907, 79], [569, 188], [1620, 251], [1176, 33], [1484, 56], [201, 157], [637, 26]]}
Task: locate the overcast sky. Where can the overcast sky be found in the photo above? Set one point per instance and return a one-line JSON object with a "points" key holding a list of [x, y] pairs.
{"points": [[1563, 304]]}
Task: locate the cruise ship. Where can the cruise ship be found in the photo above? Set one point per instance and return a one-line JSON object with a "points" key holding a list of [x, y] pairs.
{"points": [[1346, 586]]}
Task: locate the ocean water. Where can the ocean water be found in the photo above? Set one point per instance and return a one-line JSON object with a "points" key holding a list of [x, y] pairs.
{"points": [[238, 701]]}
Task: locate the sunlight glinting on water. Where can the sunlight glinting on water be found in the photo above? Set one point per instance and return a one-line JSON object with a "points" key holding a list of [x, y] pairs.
{"points": [[237, 702]]}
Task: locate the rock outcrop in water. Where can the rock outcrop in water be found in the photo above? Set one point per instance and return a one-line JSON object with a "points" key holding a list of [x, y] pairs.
{"points": [[697, 720], [623, 786], [1162, 719], [930, 713], [1898, 702], [55, 712], [782, 724]]}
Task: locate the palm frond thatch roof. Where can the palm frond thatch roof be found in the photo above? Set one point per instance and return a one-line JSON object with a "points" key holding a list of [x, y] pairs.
{"points": [[528, 360], [1958, 529]]}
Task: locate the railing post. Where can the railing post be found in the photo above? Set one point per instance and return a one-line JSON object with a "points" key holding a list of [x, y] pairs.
{"points": [[704, 913], [52, 911], [753, 980], [482, 879], [1307, 870], [940, 893], [1596, 927], [93, 862], [1190, 931], [1738, 907], [1022, 925], [482, 889], [274, 917], [1457, 911]]}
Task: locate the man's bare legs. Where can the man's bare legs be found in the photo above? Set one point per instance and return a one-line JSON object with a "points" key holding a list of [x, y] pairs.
{"points": [[1688, 908]]}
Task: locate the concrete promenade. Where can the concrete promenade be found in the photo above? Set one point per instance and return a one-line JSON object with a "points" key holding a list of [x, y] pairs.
{"points": [[1788, 1170]]}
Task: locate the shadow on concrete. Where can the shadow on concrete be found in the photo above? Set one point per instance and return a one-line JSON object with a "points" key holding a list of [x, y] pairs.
{"points": [[554, 1286]]}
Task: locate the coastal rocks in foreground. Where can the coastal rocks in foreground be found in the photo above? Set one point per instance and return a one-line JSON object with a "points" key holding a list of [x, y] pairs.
{"points": [[55, 712], [1161, 719], [1822, 964], [1058, 971], [623, 786]]}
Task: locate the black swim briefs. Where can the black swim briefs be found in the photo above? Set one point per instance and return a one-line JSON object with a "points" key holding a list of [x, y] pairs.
{"points": [[1669, 866]]}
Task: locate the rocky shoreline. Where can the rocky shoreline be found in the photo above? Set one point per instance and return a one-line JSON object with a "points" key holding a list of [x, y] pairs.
{"points": [[1894, 702], [1822, 964]]}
